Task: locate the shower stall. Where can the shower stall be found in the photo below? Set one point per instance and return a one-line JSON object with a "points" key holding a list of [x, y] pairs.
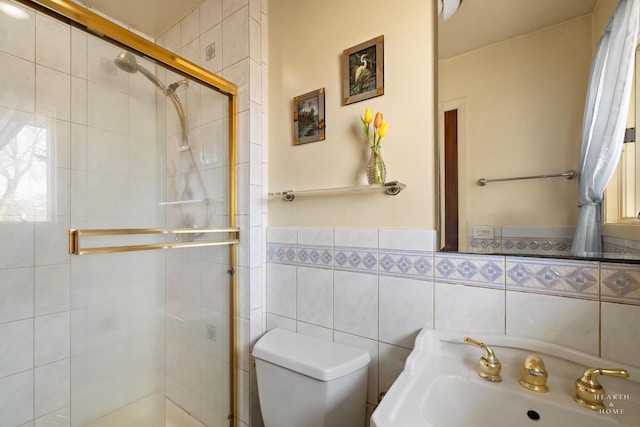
{"points": [[117, 182]]}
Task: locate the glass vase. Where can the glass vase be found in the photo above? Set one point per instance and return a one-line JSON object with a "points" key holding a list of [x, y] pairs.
{"points": [[376, 171]]}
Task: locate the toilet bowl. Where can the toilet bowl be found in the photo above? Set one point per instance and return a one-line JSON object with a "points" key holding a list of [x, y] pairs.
{"points": [[307, 382]]}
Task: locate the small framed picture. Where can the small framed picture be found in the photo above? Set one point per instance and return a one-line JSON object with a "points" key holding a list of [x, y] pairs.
{"points": [[308, 117], [363, 71]]}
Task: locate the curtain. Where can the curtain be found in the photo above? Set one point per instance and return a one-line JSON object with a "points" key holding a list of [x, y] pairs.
{"points": [[605, 117]]}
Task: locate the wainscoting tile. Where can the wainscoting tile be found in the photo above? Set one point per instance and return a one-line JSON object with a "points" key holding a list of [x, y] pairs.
{"points": [[358, 238], [356, 303], [361, 260], [578, 279], [469, 309], [417, 240], [620, 333], [620, 283], [316, 256], [414, 300], [372, 347], [282, 253], [282, 235], [566, 321], [472, 270], [315, 296], [281, 292], [391, 362], [409, 264]]}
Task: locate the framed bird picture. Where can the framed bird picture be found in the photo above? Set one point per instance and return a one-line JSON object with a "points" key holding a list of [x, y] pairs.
{"points": [[363, 71]]}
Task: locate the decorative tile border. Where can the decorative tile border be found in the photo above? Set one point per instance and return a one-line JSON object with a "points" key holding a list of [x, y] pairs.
{"points": [[474, 270], [532, 245], [315, 256], [620, 283], [282, 253], [361, 260], [577, 279], [487, 246], [408, 264]]}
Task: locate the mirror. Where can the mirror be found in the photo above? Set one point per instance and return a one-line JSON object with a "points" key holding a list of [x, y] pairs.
{"points": [[513, 77]]}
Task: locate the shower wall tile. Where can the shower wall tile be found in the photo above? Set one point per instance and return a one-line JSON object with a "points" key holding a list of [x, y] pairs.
{"points": [[52, 242], [58, 418], [190, 27], [620, 283], [16, 294], [16, 347], [230, 6], [563, 278], [52, 289], [52, 338], [52, 93], [16, 398], [101, 69], [236, 40], [52, 387], [108, 109], [620, 333], [52, 43], [19, 79], [566, 321], [20, 253], [18, 39], [210, 14], [239, 73], [78, 53], [469, 308]]}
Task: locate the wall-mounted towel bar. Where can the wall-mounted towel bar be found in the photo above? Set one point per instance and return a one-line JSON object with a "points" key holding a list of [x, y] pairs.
{"points": [[75, 247], [570, 174]]}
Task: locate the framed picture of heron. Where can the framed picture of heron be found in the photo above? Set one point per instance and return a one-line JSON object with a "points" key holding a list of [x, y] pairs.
{"points": [[308, 117], [363, 71]]}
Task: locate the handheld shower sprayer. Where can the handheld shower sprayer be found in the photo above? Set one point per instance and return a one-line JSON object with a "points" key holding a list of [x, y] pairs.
{"points": [[127, 62]]}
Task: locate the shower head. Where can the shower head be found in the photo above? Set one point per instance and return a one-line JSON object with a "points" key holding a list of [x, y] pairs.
{"points": [[127, 62]]}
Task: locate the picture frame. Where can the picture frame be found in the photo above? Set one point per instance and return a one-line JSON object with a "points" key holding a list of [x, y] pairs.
{"points": [[308, 117], [363, 71]]}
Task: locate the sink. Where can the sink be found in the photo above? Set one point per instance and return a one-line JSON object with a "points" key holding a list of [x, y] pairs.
{"points": [[440, 387]]}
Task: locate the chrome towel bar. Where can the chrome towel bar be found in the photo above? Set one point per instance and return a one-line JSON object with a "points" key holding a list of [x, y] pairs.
{"points": [[570, 174]]}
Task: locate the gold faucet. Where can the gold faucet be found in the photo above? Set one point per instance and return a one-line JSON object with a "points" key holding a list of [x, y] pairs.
{"points": [[533, 375], [589, 392], [489, 364]]}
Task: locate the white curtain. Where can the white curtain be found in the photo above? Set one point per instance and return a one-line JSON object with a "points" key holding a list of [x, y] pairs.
{"points": [[605, 118]]}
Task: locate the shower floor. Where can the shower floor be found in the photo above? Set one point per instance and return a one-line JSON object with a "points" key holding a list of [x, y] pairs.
{"points": [[143, 414]]}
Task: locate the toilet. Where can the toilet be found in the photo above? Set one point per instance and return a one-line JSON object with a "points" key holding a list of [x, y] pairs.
{"points": [[307, 382]]}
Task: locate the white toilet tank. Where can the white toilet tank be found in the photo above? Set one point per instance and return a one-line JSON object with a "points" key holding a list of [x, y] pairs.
{"points": [[306, 382]]}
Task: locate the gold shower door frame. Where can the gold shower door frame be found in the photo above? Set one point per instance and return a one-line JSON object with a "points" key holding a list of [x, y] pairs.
{"points": [[86, 20]]}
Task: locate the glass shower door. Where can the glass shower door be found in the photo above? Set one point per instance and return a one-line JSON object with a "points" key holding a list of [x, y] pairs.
{"points": [[150, 329]]}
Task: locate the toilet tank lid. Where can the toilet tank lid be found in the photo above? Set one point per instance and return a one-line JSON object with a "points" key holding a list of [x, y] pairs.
{"points": [[322, 360]]}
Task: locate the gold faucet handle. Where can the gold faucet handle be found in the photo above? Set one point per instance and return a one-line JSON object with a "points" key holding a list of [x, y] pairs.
{"points": [[589, 392], [489, 364]]}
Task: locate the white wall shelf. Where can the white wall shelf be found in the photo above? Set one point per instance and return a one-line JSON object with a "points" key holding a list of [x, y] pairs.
{"points": [[392, 188]]}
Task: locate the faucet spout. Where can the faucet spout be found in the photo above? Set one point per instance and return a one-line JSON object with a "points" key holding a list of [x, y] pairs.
{"points": [[533, 375]]}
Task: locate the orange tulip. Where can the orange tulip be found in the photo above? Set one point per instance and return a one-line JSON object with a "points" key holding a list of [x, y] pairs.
{"points": [[378, 120]]}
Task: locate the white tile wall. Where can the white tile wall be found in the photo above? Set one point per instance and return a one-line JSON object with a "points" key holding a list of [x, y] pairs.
{"points": [[380, 306]]}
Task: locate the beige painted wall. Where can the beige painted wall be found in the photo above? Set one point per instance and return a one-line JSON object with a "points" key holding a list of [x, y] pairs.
{"points": [[523, 101], [306, 40]]}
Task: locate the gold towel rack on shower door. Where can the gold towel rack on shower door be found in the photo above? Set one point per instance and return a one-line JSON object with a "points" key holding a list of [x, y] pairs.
{"points": [[75, 235]]}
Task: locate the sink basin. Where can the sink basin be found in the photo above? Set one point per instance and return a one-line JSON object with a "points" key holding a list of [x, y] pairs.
{"points": [[440, 387]]}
